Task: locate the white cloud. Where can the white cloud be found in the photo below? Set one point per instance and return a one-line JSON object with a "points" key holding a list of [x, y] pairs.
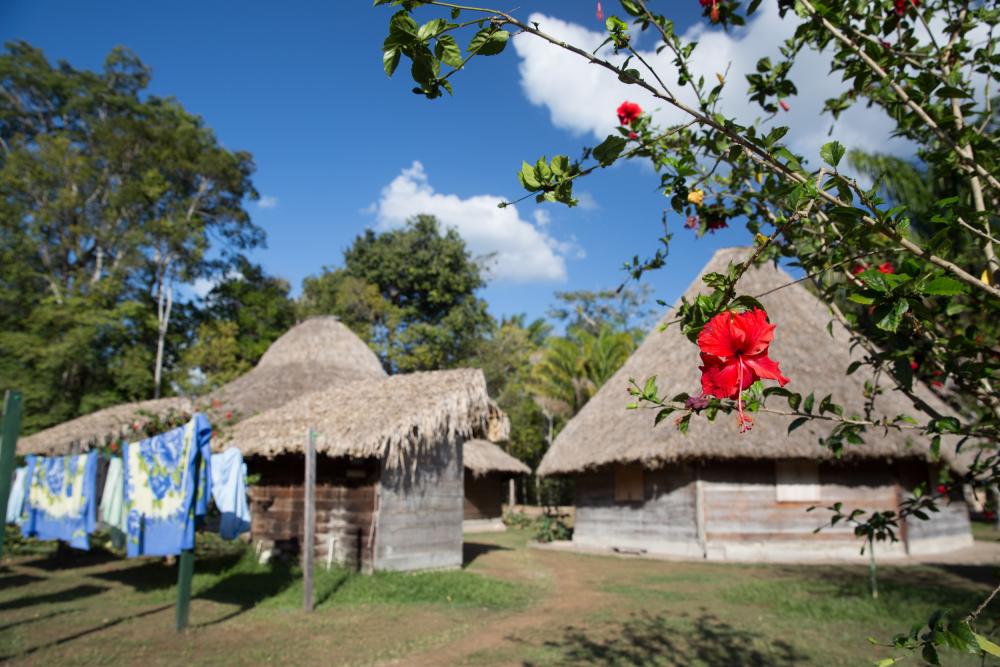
{"points": [[542, 217], [523, 252], [267, 201], [582, 97]]}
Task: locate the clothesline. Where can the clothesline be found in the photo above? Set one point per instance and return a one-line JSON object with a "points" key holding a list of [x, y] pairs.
{"points": [[152, 495]]}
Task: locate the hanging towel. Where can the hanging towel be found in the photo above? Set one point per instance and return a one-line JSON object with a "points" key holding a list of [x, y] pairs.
{"points": [[161, 501], [113, 502], [15, 502], [60, 504], [229, 490]]}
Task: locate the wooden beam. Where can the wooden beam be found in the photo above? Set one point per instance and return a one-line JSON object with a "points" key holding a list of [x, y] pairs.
{"points": [[8, 445], [309, 537]]}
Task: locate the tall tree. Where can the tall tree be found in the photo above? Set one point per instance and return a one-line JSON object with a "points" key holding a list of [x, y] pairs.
{"points": [[410, 293], [108, 198]]}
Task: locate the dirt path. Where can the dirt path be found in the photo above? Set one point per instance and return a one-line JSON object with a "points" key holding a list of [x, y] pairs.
{"points": [[569, 591]]}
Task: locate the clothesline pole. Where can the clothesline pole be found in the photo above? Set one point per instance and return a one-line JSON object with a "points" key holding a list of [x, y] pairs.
{"points": [[309, 541], [185, 566], [8, 446]]}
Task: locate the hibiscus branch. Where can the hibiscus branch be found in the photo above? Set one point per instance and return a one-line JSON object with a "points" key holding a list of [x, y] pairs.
{"points": [[758, 154], [968, 163]]}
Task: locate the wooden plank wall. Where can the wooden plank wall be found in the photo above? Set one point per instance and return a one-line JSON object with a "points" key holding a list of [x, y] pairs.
{"points": [[345, 501], [664, 523], [741, 501], [484, 496], [419, 519]]}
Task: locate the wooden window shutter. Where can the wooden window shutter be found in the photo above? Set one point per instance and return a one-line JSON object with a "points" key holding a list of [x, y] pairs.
{"points": [[629, 483]]}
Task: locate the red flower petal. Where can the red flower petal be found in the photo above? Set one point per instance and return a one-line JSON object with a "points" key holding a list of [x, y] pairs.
{"points": [[765, 367], [757, 332], [717, 336], [720, 378]]}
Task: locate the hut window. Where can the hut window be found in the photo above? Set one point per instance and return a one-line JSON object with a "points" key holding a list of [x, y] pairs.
{"points": [[629, 485], [797, 481]]}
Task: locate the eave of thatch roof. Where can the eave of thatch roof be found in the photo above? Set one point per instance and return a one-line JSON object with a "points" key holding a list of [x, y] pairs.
{"points": [[314, 354], [98, 427], [482, 457], [393, 419], [605, 432]]}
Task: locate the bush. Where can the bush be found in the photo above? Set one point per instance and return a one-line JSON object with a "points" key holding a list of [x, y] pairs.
{"points": [[518, 520], [551, 528]]}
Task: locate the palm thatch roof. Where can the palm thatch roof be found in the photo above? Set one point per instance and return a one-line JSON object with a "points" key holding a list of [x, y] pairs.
{"points": [[605, 432], [482, 457], [315, 354], [394, 419], [98, 427]]}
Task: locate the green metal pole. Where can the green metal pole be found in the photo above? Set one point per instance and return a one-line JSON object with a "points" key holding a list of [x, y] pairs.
{"points": [[185, 568], [8, 446]]}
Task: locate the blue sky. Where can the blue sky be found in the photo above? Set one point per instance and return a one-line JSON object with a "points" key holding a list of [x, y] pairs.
{"points": [[301, 86]]}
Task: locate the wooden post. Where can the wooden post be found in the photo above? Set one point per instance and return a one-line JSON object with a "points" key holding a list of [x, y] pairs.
{"points": [[8, 445], [511, 496], [185, 567], [308, 546], [699, 510]]}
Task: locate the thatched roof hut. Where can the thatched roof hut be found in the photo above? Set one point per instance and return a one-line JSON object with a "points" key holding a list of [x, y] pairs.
{"points": [[312, 355], [482, 457], [315, 354], [98, 426], [718, 494], [388, 419], [605, 432]]}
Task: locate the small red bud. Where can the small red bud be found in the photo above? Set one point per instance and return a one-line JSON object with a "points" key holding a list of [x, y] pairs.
{"points": [[784, 105]]}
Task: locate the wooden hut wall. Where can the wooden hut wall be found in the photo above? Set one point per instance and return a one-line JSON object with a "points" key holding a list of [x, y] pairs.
{"points": [[664, 522], [739, 510], [419, 519], [947, 529], [484, 496], [345, 502]]}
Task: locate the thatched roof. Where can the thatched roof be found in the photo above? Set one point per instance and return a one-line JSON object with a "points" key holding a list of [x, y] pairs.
{"points": [[99, 426], [313, 355], [481, 457], [391, 419], [605, 432]]}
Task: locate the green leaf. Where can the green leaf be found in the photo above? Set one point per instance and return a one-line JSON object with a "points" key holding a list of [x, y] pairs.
{"points": [[447, 51], [858, 297], [891, 319], [543, 171], [944, 286], [808, 405], [609, 149], [986, 645], [528, 178], [797, 422], [390, 60], [430, 29], [489, 42], [832, 153]]}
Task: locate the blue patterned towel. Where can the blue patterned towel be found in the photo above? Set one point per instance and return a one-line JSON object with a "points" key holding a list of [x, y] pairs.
{"points": [[60, 503], [160, 498]]}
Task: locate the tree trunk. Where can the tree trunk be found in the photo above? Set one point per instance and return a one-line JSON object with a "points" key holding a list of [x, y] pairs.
{"points": [[165, 302]]}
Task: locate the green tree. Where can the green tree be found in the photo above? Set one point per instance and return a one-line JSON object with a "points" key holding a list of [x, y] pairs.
{"points": [[409, 293], [108, 198]]}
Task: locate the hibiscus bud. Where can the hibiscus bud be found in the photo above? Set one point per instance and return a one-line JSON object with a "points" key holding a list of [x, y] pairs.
{"points": [[696, 197], [942, 488], [722, 79], [858, 268], [600, 11], [914, 365], [784, 105], [887, 268], [633, 135], [715, 13]]}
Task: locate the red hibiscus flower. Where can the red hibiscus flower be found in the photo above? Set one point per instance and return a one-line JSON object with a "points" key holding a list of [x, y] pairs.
{"points": [[886, 267], [900, 5], [734, 349], [628, 112], [633, 135], [711, 224], [914, 365], [942, 488], [858, 268]]}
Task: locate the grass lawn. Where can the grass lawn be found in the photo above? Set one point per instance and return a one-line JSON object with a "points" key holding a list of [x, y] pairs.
{"points": [[510, 605]]}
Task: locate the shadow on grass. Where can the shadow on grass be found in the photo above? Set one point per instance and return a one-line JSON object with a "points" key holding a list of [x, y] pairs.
{"points": [[473, 550], [84, 633], [65, 558], [37, 619], [247, 589], [68, 595], [157, 575], [682, 640], [15, 580]]}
